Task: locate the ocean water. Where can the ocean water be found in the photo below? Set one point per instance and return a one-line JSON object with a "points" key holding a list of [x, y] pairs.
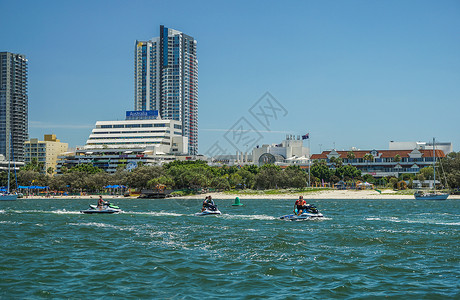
{"points": [[158, 249]]}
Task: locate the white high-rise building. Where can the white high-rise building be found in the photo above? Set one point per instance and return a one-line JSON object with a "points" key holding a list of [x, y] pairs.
{"points": [[166, 79]]}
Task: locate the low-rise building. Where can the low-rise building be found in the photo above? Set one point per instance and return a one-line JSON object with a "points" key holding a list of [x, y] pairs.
{"points": [[382, 163], [290, 152], [45, 152]]}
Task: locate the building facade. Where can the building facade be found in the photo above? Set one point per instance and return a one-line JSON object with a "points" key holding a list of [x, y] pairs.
{"points": [[166, 79], [290, 152], [14, 129], [164, 136], [44, 152], [382, 163], [143, 138]]}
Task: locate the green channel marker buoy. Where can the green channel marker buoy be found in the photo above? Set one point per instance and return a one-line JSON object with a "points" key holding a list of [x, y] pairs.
{"points": [[237, 202]]}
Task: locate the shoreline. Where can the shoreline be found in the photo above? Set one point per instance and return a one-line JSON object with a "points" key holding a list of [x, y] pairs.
{"points": [[317, 195]]}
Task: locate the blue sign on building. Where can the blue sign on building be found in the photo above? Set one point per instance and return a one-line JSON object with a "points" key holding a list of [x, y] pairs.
{"points": [[142, 115]]}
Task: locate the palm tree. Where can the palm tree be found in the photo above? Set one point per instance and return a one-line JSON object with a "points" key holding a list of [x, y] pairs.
{"points": [[50, 171], [350, 155], [368, 157]]}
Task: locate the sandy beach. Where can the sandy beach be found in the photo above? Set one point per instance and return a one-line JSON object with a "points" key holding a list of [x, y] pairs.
{"points": [[326, 194]]}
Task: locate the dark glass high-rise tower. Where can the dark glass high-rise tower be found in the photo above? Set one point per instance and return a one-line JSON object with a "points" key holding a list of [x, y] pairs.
{"points": [[166, 79], [14, 130]]}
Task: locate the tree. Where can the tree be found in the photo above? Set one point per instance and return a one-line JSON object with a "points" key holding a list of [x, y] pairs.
{"points": [[269, 177], [85, 168], [427, 173], [31, 177], [397, 158], [393, 183], [96, 181], [50, 171], [368, 178], [351, 155], [450, 166], [34, 165], [162, 180], [348, 172], [320, 170], [295, 177], [247, 177], [336, 161], [368, 157], [140, 176]]}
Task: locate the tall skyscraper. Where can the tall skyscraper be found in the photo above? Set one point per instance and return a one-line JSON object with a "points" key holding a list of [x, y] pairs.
{"points": [[166, 79], [14, 130]]}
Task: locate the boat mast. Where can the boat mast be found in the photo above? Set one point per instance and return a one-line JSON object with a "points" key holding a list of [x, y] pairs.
{"points": [[434, 167], [9, 168]]}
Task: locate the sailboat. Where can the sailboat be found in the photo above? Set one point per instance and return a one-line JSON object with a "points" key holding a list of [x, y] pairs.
{"points": [[421, 195], [7, 195]]}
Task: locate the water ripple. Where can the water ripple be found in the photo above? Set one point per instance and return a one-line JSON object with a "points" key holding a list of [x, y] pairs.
{"points": [[359, 250]]}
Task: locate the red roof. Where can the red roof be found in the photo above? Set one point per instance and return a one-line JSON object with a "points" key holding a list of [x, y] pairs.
{"points": [[385, 153]]}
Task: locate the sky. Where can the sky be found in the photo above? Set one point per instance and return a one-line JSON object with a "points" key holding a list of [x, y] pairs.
{"points": [[349, 73]]}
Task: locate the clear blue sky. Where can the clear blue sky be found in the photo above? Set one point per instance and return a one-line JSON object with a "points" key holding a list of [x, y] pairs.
{"points": [[354, 73]]}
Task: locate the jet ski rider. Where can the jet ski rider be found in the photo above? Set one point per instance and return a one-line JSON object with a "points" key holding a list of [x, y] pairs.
{"points": [[101, 203], [300, 205], [208, 203]]}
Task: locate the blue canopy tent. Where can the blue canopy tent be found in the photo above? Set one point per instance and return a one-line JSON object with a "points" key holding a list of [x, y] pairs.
{"points": [[32, 188], [119, 188]]}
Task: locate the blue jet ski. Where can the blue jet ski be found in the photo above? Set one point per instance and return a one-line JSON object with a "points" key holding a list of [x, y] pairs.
{"points": [[106, 209], [309, 212]]}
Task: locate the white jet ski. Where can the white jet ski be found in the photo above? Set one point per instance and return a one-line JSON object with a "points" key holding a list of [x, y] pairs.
{"points": [[106, 209], [210, 210], [309, 212]]}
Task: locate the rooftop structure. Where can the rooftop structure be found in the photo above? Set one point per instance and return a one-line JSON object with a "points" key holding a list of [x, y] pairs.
{"points": [[446, 147]]}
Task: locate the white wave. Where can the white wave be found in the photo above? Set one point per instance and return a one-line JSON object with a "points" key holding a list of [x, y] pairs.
{"points": [[250, 217], [64, 212], [156, 214], [9, 222], [427, 221], [94, 224]]}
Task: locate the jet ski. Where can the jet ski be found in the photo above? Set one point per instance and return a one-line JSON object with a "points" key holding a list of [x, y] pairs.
{"points": [[210, 210], [309, 212], [106, 209]]}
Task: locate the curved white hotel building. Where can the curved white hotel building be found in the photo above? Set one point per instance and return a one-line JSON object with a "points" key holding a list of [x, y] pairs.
{"points": [[163, 135], [141, 138]]}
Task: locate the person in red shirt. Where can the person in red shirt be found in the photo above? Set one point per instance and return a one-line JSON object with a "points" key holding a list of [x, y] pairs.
{"points": [[300, 205]]}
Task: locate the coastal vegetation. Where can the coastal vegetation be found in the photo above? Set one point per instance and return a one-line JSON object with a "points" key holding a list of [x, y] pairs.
{"points": [[186, 177]]}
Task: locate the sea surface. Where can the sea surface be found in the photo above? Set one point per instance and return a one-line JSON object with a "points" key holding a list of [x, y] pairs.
{"points": [[158, 249]]}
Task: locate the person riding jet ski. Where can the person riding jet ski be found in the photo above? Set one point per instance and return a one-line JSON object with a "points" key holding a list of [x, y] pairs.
{"points": [[101, 203], [208, 203], [300, 205]]}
